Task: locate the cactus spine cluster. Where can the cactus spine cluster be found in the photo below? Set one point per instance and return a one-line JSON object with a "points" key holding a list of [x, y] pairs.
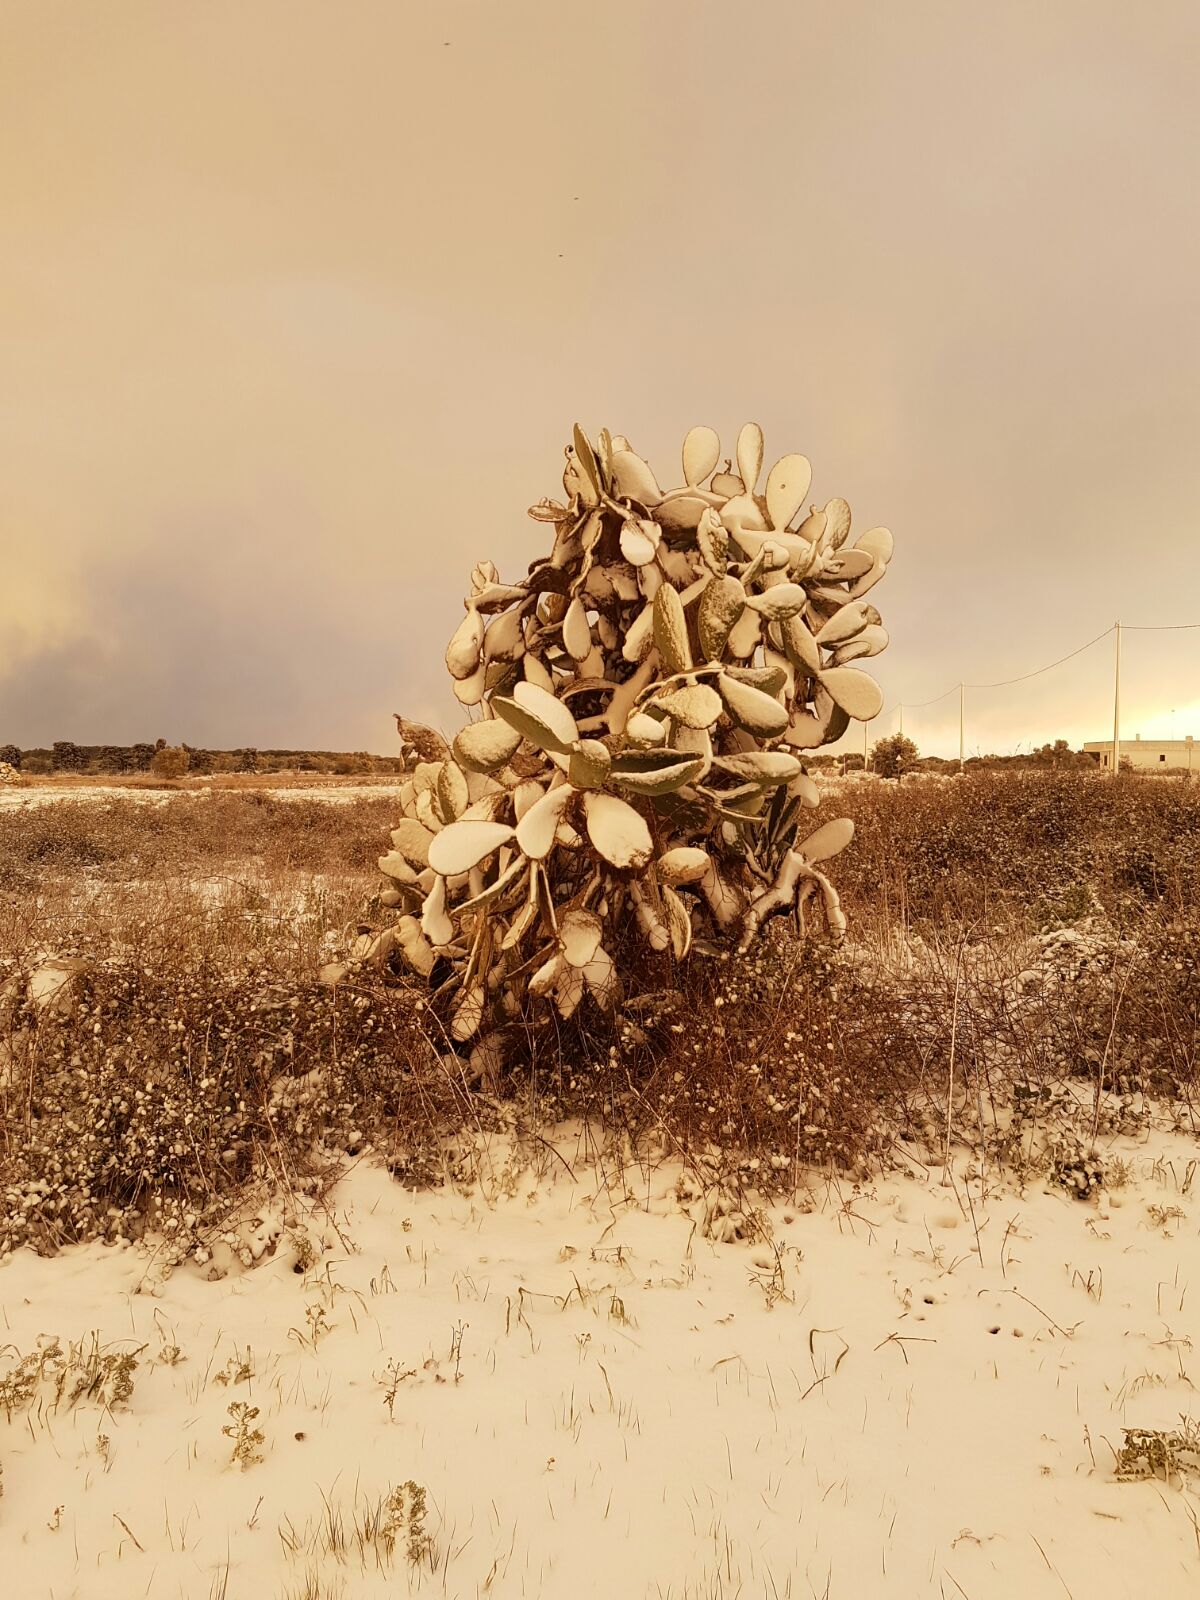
{"points": [[643, 699]]}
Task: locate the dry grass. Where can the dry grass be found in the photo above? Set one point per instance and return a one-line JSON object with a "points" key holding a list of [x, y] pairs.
{"points": [[228, 831], [1037, 849], [202, 1057], [265, 782]]}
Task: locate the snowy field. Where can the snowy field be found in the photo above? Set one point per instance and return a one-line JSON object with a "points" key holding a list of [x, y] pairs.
{"points": [[14, 796], [564, 1382]]}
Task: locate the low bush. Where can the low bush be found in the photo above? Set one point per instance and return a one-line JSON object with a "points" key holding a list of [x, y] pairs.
{"points": [[154, 1097], [1049, 845]]}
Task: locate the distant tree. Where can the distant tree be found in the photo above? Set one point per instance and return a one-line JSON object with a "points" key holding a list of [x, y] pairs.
{"points": [[199, 760], [68, 757], [171, 761], [11, 754], [1058, 754], [894, 755]]}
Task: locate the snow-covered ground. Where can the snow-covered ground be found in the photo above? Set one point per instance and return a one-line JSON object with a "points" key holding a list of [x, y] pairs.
{"points": [[904, 1389], [44, 794]]}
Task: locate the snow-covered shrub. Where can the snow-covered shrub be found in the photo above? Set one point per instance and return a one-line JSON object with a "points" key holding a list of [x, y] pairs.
{"points": [[644, 699]]}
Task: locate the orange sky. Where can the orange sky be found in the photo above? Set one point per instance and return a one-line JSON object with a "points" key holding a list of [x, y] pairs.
{"points": [[298, 303]]}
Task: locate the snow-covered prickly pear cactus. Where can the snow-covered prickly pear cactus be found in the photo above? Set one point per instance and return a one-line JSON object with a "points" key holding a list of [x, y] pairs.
{"points": [[642, 698]]}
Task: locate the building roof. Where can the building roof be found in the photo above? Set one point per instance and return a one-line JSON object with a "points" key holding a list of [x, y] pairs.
{"points": [[1159, 744]]}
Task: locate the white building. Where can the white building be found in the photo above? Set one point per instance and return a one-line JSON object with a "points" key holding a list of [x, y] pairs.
{"points": [[1160, 755]]}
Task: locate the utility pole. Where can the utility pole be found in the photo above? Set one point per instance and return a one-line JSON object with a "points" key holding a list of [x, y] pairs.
{"points": [[962, 739], [1116, 748], [866, 726], [902, 721]]}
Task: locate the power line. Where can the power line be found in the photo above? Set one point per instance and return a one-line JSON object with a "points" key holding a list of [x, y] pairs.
{"points": [[1004, 683], [1025, 677], [919, 705]]}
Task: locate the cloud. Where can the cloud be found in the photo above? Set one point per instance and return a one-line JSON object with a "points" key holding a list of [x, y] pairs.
{"points": [[201, 640], [287, 351]]}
